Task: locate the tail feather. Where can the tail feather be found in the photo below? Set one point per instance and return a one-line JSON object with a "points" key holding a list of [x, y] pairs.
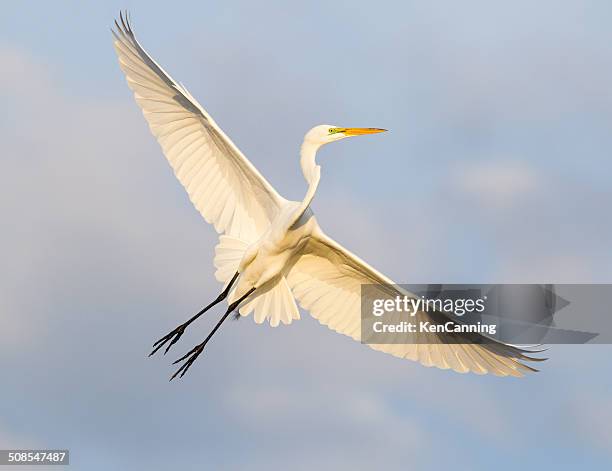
{"points": [[276, 305]]}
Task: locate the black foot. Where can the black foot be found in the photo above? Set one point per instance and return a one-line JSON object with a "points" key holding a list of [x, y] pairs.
{"points": [[190, 356], [172, 337], [194, 353]]}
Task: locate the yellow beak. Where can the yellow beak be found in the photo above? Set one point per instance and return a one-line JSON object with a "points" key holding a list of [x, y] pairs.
{"points": [[361, 131]]}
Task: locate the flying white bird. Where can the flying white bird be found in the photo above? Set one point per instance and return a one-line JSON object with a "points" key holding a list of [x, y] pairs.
{"points": [[271, 251]]}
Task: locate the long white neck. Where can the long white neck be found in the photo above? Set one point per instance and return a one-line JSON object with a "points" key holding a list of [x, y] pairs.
{"points": [[308, 153], [310, 169]]}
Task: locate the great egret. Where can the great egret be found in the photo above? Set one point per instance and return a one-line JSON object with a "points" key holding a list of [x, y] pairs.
{"points": [[271, 250]]}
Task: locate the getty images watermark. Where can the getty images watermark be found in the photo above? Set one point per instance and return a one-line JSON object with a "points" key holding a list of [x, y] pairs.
{"points": [[517, 314], [410, 306]]}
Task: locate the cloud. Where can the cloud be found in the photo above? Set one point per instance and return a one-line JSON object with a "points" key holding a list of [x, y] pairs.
{"points": [[497, 184]]}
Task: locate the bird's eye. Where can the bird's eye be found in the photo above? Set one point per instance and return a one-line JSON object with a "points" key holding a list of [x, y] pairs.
{"points": [[331, 130]]}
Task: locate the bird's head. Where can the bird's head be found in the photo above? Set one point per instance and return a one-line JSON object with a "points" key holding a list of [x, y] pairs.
{"points": [[326, 133]]}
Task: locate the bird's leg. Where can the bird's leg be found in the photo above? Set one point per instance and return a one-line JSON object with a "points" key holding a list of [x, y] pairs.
{"points": [[193, 354], [176, 334]]}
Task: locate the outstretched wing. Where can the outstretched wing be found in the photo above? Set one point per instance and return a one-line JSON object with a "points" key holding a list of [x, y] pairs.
{"points": [[222, 184], [327, 281]]}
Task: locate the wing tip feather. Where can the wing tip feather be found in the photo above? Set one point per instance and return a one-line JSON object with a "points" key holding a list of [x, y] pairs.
{"points": [[123, 26]]}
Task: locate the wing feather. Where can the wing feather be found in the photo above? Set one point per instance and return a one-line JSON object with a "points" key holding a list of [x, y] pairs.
{"points": [[221, 183], [327, 281]]}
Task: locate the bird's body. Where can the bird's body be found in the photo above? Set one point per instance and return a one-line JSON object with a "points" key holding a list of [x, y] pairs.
{"points": [[271, 251], [267, 260]]}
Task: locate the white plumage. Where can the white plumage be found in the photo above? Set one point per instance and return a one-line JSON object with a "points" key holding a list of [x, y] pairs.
{"points": [[274, 246]]}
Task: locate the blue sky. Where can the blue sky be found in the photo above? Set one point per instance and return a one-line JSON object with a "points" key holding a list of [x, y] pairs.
{"points": [[496, 169]]}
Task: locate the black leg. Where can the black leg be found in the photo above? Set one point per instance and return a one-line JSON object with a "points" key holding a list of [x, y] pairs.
{"points": [[180, 330], [193, 354]]}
